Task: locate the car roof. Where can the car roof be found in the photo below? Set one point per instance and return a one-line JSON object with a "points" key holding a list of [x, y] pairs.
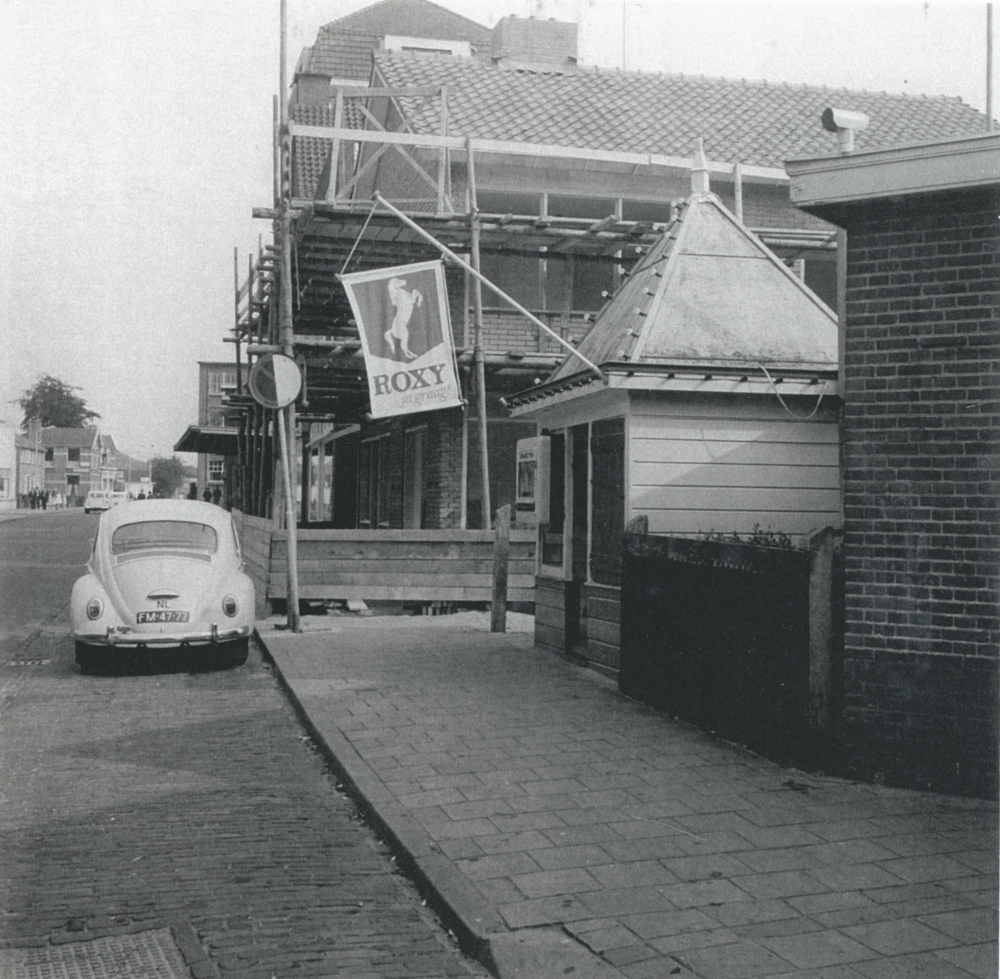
{"points": [[139, 511]]}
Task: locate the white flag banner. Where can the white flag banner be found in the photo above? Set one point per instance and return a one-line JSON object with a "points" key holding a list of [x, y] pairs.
{"points": [[405, 328]]}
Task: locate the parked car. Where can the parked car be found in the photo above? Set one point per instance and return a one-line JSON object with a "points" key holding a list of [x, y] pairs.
{"points": [[163, 574], [96, 500]]}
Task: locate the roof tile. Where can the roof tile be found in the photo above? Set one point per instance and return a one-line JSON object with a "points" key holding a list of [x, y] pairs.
{"points": [[757, 123]]}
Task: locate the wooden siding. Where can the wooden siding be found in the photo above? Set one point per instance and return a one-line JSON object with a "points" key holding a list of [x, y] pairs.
{"points": [[724, 468], [255, 544], [550, 613], [402, 565], [603, 628]]}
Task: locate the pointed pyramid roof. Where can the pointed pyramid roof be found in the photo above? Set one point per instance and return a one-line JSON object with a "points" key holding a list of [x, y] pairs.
{"points": [[710, 294]]}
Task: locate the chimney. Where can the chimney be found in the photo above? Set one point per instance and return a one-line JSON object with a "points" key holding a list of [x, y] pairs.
{"points": [[34, 430], [532, 41]]}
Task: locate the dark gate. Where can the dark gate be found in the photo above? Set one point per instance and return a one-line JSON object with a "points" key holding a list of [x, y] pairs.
{"points": [[718, 634]]}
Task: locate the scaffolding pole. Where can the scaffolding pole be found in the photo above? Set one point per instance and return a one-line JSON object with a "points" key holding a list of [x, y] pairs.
{"points": [[286, 416], [477, 292]]}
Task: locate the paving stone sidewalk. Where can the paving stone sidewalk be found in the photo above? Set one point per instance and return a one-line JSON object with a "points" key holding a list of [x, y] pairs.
{"points": [[567, 826]]}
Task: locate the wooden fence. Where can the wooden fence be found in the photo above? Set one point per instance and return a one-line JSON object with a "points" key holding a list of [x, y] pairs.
{"points": [[736, 638], [379, 565]]}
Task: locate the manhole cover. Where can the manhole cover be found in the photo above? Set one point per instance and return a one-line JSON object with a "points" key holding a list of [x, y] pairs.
{"points": [[145, 955]]}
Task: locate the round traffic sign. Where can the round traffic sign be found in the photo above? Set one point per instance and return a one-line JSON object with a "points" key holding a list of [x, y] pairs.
{"points": [[275, 381]]}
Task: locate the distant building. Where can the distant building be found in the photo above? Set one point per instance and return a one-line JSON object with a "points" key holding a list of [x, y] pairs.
{"points": [[30, 462], [214, 437], [77, 460], [8, 467]]}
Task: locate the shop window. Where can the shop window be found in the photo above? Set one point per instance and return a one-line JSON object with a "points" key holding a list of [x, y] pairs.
{"points": [[373, 484]]}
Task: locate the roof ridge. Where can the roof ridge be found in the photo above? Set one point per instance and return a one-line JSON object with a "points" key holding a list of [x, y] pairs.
{"points": [[763, 83]]}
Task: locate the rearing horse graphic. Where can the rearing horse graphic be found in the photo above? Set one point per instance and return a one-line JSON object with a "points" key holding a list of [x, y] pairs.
{"points": [[405, 302]]}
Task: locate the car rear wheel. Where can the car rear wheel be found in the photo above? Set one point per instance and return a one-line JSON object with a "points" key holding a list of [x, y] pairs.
{"points": [[237, 651], [88, 658]]}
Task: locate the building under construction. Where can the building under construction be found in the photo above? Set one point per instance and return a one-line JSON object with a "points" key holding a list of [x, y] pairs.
{"points": [[551, 180]]}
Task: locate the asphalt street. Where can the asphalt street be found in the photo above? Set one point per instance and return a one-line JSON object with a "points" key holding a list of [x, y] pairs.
{"points": [[176, 823]]}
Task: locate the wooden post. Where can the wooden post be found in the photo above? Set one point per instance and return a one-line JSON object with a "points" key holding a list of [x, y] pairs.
{"points": [[306, 472], [335, 154], [501, 557], [738, 190], [821, 628], [477, 292]]}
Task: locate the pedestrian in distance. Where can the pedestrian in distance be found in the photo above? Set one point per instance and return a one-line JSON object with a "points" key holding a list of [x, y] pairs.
{"points": [[142, 495], [45, 499], [216, 495], [207, 495], [193, 492]]}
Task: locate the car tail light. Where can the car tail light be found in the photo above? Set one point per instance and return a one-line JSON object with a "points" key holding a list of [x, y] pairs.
{"points": [[94, 608], [229, 606]]}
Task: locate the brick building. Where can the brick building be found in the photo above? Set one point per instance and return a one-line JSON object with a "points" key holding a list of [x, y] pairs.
{"points": [[921, 456], [74, 458], [214, 436]]}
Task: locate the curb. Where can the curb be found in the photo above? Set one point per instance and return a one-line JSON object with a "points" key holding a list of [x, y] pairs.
{"points": [[481, 932], [448, 893]]}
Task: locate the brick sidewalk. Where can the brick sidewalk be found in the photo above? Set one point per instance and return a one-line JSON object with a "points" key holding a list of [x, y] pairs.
{"points": [[564, 823]]}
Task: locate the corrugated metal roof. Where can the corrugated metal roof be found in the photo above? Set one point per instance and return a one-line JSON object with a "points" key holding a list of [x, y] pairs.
{"points": [[710, 293], [754, 122]]}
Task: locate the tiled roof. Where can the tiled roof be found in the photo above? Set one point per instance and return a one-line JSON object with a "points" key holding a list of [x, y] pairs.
{"points": [[343, 47], [341, 54], [311, 156], [756, 123], [412, 18], [72, 438], [710, 293]]}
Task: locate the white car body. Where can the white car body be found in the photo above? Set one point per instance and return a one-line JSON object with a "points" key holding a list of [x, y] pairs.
{"points": [[96, 500], [163, 573]]}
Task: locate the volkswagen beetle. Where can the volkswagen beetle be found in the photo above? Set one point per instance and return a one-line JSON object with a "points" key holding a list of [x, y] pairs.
{"points": [[163, 574]]}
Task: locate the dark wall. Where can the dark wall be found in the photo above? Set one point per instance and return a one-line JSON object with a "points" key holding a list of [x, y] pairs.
{"points": [[921, 481]]}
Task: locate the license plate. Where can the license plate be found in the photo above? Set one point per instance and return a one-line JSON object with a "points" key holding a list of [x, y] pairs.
{"points": [[162, 615]]}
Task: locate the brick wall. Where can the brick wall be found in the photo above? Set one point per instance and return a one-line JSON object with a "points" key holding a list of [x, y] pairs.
{"points": [[921, 481], [506, 329], [443, 470]]}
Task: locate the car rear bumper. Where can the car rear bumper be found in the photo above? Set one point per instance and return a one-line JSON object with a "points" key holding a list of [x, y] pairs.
{"points": [[138, 640]]}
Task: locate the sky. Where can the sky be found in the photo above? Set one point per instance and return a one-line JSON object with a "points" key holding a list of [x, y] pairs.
{"points": [[136, 140]]}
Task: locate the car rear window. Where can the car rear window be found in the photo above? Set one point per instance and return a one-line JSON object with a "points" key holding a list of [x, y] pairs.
{"points": [[160, 534]]}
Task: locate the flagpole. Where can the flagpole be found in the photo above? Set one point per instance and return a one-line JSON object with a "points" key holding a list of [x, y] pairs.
{"points": [[482, 278]]}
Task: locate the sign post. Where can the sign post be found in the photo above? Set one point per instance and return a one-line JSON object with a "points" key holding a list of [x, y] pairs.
{"points": [[275, 382]]}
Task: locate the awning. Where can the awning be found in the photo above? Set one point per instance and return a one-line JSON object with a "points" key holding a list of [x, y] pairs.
{"points": [[205, 438]]}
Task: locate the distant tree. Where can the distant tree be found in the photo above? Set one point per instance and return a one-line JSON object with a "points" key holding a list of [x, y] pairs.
{"points": [[53, 402], [168, 476]]}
